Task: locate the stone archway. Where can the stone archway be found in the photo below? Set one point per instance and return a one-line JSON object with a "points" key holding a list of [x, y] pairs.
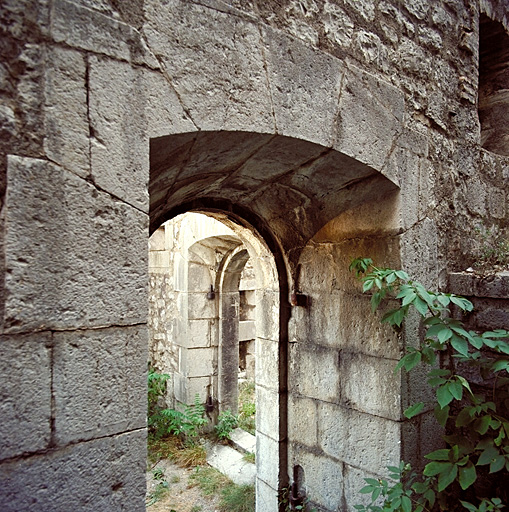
{"points": [[244, 178]]}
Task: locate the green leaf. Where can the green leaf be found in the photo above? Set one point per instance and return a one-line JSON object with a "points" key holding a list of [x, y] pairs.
{"points": [[469, 506], [456, 389], [497, 464], [443, 299], [406, 504], [439, 372], [368, 284], [402, 274], [424, 294], [482, 424], [442, 454], [502, 364], [408, 299], [459, 344], [462, 303], [464, 383], [444, 334], [408, 361], [413, 410], [421, 306], [368, 489], [434, 468], [447, 477], [467, 475], [464, 418], [487, 456], [444, 396], [442, 415], [476, 341]]}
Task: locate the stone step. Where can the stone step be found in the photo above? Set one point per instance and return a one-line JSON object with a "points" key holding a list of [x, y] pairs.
{"points": [[232, 464], [243, 441]]}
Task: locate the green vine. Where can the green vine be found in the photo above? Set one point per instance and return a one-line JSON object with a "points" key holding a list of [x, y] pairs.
{"points": [[472, 402]]}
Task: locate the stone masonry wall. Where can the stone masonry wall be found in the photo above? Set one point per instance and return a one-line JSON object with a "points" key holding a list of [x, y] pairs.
{"points": [[376, 103]]}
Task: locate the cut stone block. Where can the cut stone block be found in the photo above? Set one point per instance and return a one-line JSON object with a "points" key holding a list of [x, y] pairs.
{"points": [[74, 256], [66, 121], [99, 382], [232, 464], [101, 474], [243, 441], [25, 394]]}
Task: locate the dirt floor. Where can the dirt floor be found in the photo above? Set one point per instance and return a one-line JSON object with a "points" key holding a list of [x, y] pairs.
{"points": [[182, 496]]}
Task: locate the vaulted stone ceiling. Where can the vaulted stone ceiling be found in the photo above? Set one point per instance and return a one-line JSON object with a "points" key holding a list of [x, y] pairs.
{"points": [[293, 186]]}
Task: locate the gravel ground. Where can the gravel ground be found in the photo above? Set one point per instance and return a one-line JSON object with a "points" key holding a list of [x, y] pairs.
{"points": [[181, 496]]}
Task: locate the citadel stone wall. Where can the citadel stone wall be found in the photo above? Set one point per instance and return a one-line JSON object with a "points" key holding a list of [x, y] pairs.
{"points": [[328, 129]]}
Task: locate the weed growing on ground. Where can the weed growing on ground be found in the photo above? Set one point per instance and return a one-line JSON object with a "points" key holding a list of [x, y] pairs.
{"points": [[234, 498], [247, 408], [226, 422], [237, 498], [209, 480], [161, 489], [249, 457]]}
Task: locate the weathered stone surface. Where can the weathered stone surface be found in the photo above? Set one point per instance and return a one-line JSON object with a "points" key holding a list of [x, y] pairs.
{"points": [[88, 29], [67, 140], [353, 482], [314, 372], [102, 474], [305, 86], [214, 51], [359, 439], [25, 394], [368, 384], [267, 362], [370, 118], [267, 317], [323, 478], [266, 496], [200, 362], [495, 286], [302, 421], [267, 412], [95, 275], [231, 463], [267, 452], [118, 123], [419, 253], [99, 382]]}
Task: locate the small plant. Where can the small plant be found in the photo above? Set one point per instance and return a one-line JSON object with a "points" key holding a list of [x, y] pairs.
{"points": [[161, 489], [237, 498], [472, 399], [209, 480], [249, 457], [493, 250], [247, 408], [226, 422]]}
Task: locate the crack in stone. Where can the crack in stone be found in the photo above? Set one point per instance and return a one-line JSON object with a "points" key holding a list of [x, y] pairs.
{"points": [[269, 84], [62, 448], [168, 79], [53, 330]]}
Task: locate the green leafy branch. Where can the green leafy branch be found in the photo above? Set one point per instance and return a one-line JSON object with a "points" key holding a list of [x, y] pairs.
{"points": [[479, 422]]}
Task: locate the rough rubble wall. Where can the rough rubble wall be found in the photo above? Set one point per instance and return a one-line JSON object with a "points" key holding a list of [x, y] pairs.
{"points": [[83, 89]]}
